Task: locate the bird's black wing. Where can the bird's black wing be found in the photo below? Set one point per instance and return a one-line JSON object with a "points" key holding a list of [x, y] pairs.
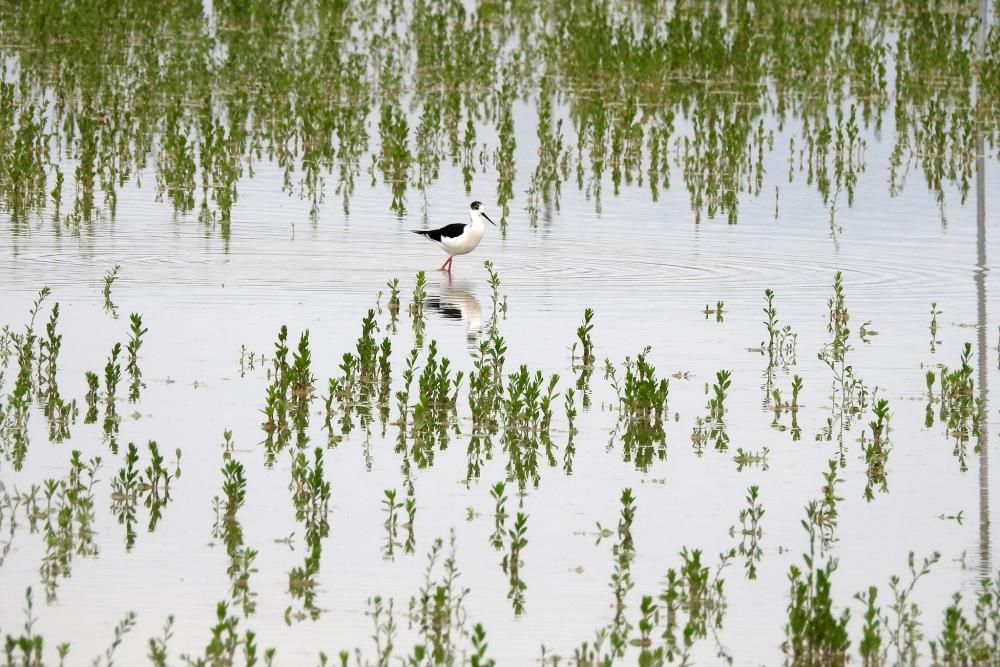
{"points": [[448, 231]]}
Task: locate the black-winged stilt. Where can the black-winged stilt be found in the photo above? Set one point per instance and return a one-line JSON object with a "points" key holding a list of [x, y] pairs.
{"points": [[460, 238]]}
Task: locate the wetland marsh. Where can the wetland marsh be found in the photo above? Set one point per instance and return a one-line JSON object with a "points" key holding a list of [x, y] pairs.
{"points": [[717, 390]]}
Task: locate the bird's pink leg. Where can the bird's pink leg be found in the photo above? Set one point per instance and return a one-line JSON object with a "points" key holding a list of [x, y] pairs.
{"points": [[447, 265]]}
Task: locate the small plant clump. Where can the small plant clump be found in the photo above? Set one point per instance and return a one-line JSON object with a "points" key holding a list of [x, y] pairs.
{"points": [[136, 332], [642, 401], [960, 410], [289, 394], [781, 341], [109, 279]]}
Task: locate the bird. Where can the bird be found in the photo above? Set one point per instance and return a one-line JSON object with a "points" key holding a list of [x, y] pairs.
{"points": [[460, 238]]}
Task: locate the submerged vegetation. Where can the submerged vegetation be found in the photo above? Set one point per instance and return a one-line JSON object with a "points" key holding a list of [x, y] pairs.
{"points": [[517, 411], [633, 94]]}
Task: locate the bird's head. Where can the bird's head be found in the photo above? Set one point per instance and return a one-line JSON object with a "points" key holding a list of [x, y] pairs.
{"points": [[479, 209]]}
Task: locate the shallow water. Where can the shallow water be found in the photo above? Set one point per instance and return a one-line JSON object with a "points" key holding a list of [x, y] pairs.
{"points": [[646, 267]]}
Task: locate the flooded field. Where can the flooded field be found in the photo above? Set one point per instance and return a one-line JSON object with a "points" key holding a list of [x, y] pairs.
{"points": [[715, 390]]}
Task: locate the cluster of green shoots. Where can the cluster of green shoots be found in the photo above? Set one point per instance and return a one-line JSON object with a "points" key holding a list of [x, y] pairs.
{"points": [[779, 406], [553, 158], [512, 562], [750, 532], [112, 376], [67, 521], [849, 396], [363, 383], [112, 379], [521, 406], [486, 389], [417, 307], [585, 340], [815, 632], [583, 365], [690, 608], [529, 405], [289, 393], [837, 319], [136, 332], [493, 280], [527, 413], [435, 410], [833, 156], [60, 413], [204, 145], [934, 328], [745, 458], [498, 493], [37, 358], [109, 279], [960, 410], [393, 305], [642, 401], [310, 493], [229, 529], [391, 507], [719, 311], [152, 485], [877, 449], [713, 426], [437, 612], [227, 646], [781, 340]]}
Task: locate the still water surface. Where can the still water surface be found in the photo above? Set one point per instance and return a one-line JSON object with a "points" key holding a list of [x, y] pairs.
{"points": [[646, 267]]}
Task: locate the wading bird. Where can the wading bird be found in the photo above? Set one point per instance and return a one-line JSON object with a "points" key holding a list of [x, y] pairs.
{"points": [[460, 238]]}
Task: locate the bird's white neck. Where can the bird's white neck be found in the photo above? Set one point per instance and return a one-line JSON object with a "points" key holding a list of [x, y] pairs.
{"points": [[477, 220]]}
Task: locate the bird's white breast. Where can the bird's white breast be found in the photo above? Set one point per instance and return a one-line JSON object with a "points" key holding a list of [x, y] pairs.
{"points": [[466, 242]]}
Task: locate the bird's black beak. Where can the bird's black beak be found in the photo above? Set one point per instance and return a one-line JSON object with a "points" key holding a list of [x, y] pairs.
{"points": [[488, 218]]}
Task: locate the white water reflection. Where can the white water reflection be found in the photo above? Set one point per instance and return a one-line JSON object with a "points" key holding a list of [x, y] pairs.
{"points": [[456, 300]]}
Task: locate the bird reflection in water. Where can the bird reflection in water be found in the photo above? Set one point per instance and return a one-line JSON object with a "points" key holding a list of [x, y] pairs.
{"points": [[457, 301]]}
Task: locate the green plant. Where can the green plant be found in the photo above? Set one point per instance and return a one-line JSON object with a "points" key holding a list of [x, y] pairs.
{"points": [[499, 515], [512, 562], [781, 341], [877, 449], [838, 318], [693, 602], [975, 640], [124, 492], [717, 403], [493, 280], [393, 304], [93, 387], [934, 327], [583, 336], [814, 633], [771, 323], [391, 508], [626, 544], [751, 532], [48, 351], [136, 332], [417, 307], [109, 279]]}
